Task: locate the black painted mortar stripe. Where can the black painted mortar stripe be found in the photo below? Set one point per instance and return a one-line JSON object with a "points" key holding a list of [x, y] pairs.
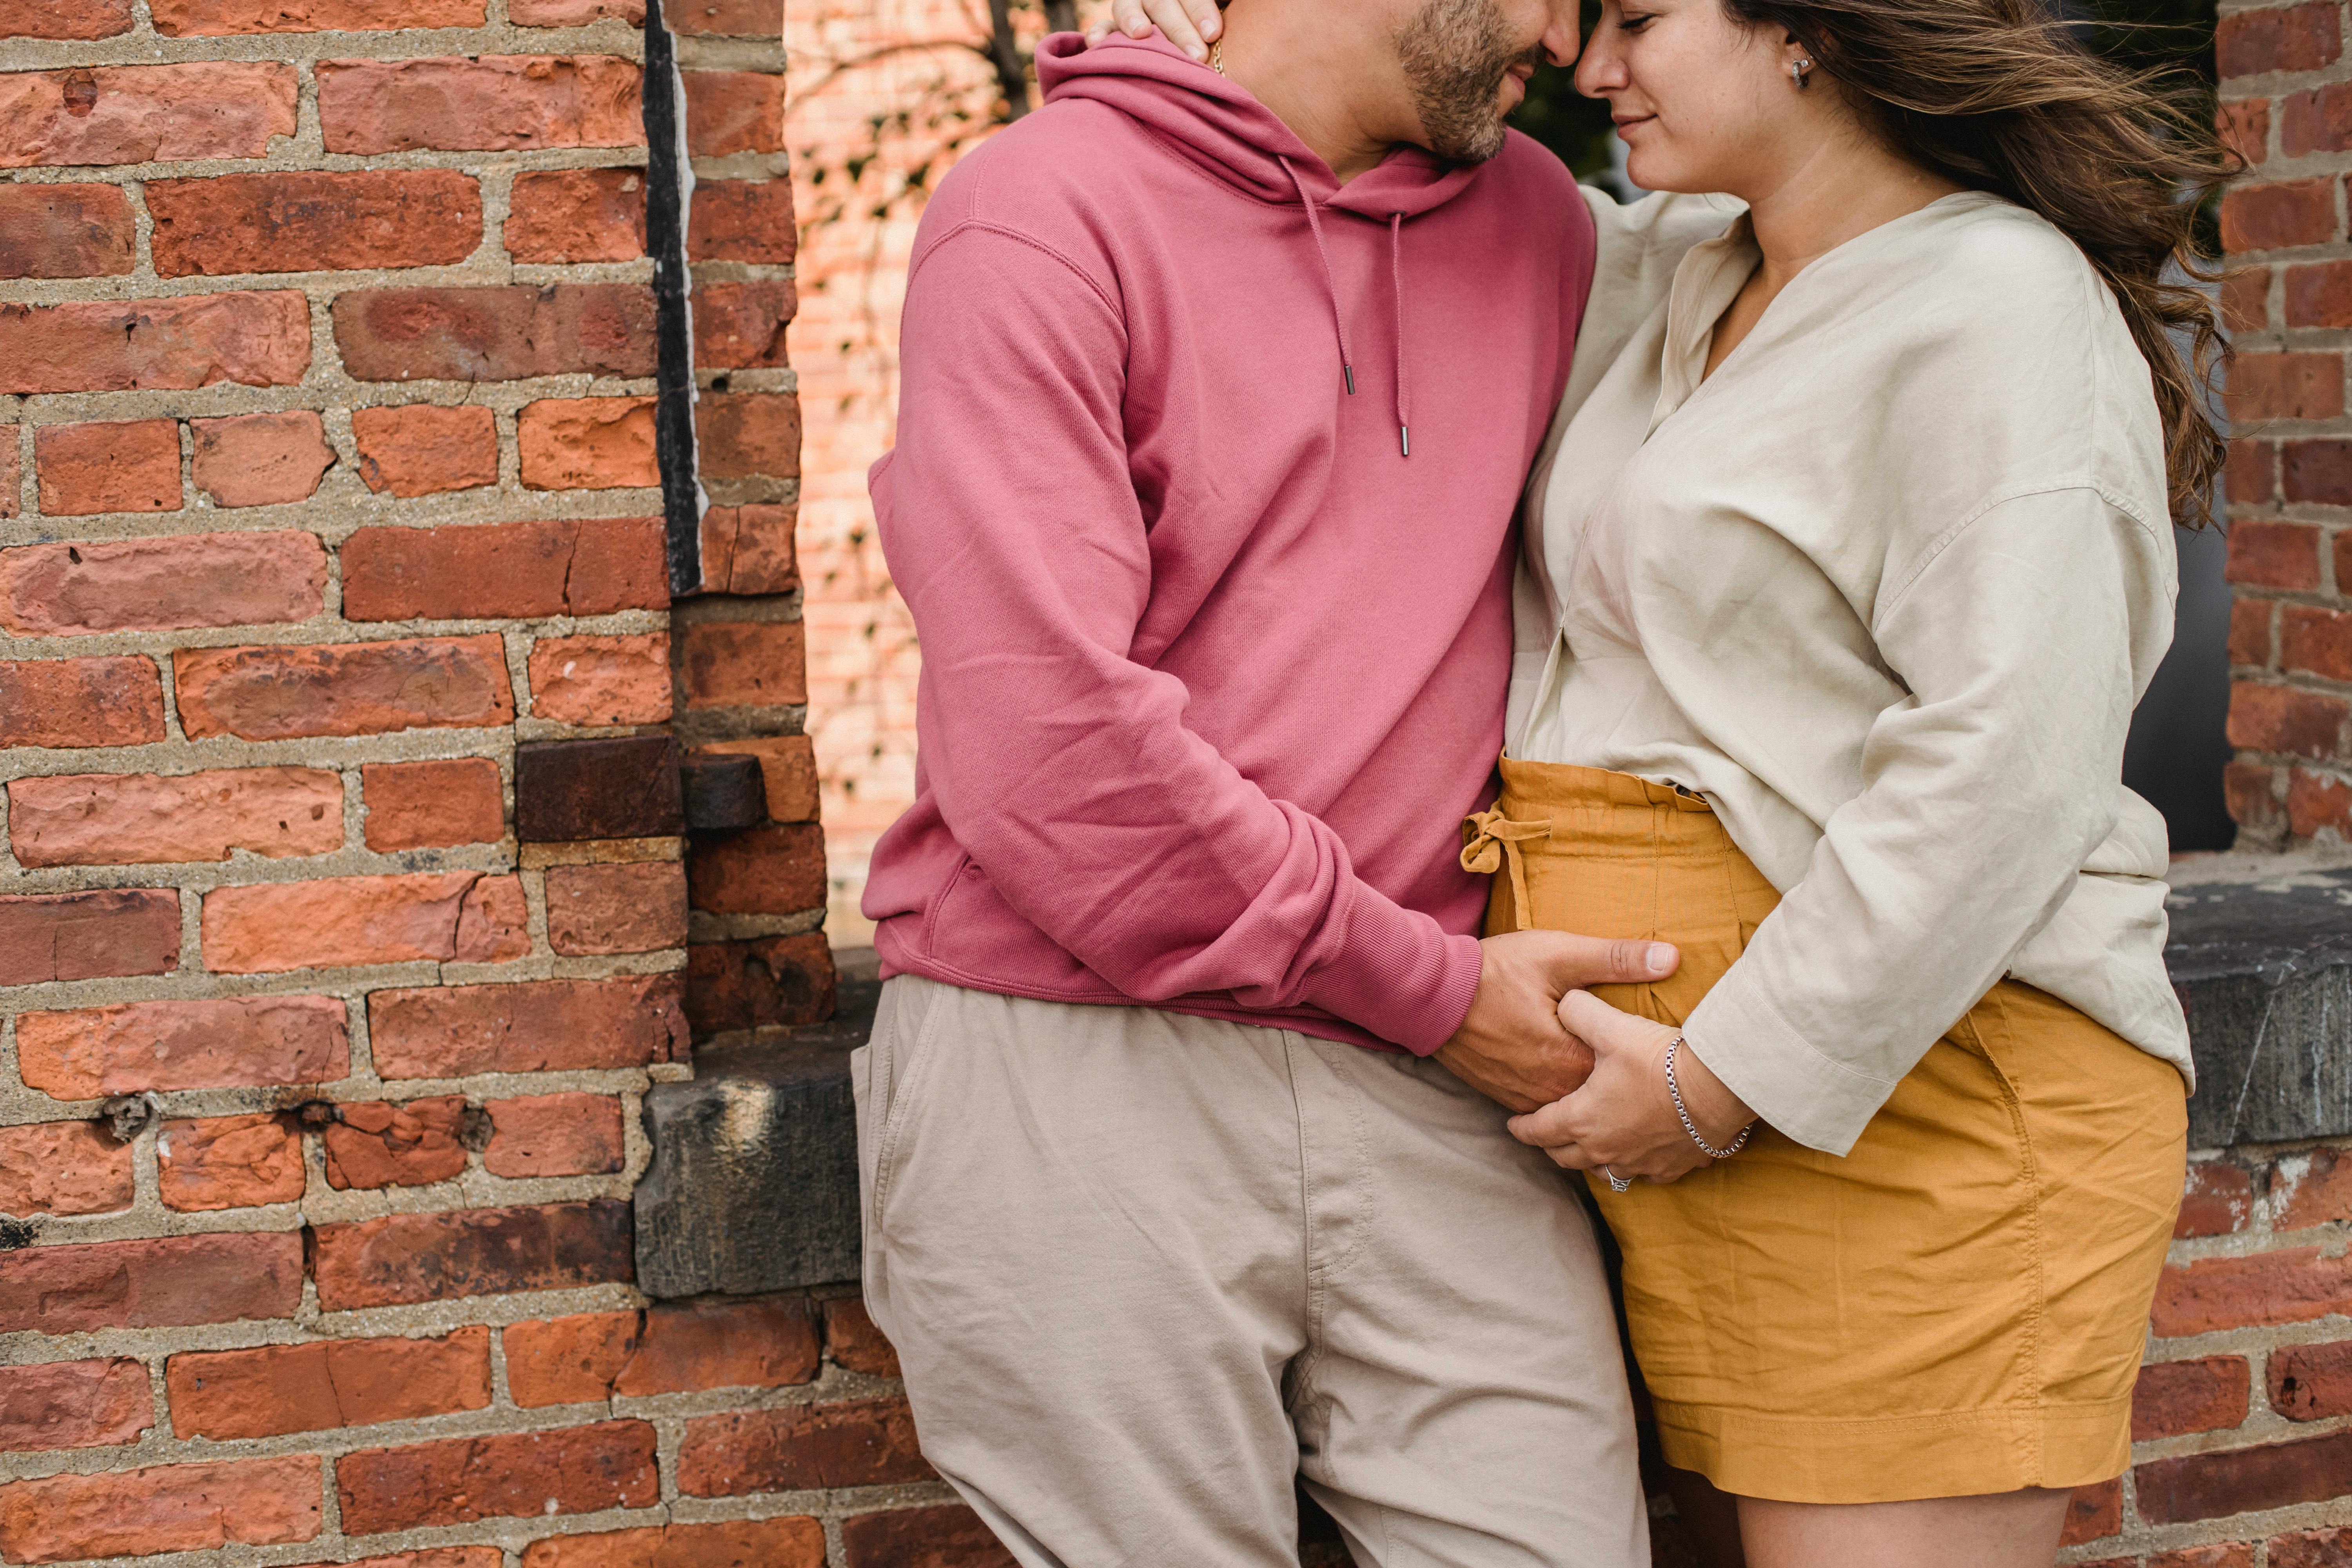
{"points": [[673, 340]]}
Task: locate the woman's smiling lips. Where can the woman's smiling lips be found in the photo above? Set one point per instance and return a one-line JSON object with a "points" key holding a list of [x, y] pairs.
{"points": [[1626, 122]]}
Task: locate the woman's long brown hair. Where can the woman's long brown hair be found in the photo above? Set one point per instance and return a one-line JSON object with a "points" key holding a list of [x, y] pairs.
{"points": [[1999, 96]]}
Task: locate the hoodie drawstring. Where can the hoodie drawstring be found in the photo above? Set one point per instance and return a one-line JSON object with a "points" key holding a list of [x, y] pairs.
{"points": [[1330, 287], [1339, 321], [1396, 284]]}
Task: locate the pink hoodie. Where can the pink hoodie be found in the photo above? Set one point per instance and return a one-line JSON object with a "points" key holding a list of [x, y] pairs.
{"points": [[1212, 669]]}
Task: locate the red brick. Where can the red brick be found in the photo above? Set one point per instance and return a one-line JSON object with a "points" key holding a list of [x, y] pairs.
{"points": [[756, 664], [2242, 1480], [2315, 802], [229, 1161], [82, 936], [143, 114], [947, 1535], [2294, 39], [2318, 642], [2274, 554], [740, 326], [75, 1405], [2310, 1383], [193, 18], [216, 1043], [636, 907], [2286, 386], [473, 1252], [759, 983], [2093, 1514], [422, 449], [445, 1557], [105, 819], [2294, 1285], [853, 1442], [2216, 1200], [460, 917], [261, 460], [490, 103], [128, 465], [60, 1168], [2314, 1189], [2274, 216], [752, 220], [2315, 122], [793, 1541], [274, 1389], [2317, 471], [572, 12], [587, 443], [383, 1145], [2226, 1554], [2174, 1398], [66, 231], [518, 1474], [498, 333], [2251, 642], [2344, 561], [170, 1508], [728, 18], [852, 1340], [170, 1282], [540, 1025], [556, 566], [2282, 719], [2308, 1549], [424, 805], [343, 689], [733, 111], [554, 1135], [161, 585], [12, 479], [748, 434], [2251, 475], [196, 340], [2245, 300], [667, 1348], [2253, 795], [64, 18], [2245, 128], [314, 221], [2319, 294], [601, 680], [787, 770], [577, 214], [67, 702], [773, 871]]}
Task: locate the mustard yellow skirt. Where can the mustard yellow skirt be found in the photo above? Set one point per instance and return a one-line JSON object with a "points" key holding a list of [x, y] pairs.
{"points": [[1960, 1305]]}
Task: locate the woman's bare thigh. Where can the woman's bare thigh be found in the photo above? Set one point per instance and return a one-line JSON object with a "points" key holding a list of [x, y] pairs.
{"points": [[2005, 1530]]}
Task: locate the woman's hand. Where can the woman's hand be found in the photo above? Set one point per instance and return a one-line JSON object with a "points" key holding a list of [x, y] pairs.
{"points": [[1623, 1118], [1189, 25]]}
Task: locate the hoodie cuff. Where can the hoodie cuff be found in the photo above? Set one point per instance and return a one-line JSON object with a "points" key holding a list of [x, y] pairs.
{"points": [[1399, 975]]}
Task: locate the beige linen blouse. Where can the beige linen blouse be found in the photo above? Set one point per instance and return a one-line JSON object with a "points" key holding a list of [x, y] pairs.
{"points": [[1885, 588]]}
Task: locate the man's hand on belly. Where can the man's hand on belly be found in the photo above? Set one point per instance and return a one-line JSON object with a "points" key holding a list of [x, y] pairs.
{"points": [[1511, 1048]]}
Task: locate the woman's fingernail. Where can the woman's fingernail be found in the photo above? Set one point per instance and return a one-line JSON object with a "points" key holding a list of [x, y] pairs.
{"points": [[1662, 958]]}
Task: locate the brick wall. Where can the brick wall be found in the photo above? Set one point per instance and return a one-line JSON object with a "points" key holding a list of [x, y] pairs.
{"points": [[347, 908]]}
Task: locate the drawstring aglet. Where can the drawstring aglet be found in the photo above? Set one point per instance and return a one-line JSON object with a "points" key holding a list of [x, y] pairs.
{"points": [[1348, 372], [1404, 440]]}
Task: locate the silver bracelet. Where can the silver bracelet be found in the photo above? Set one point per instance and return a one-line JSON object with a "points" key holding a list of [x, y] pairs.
{"points": [[1690, 1127]]}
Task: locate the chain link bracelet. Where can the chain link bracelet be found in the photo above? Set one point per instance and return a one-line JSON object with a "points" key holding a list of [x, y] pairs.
{"points": [[1709, 1150]]}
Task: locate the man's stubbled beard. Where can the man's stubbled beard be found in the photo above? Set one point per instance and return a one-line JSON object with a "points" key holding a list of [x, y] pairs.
{"points": [[1454, 53]]}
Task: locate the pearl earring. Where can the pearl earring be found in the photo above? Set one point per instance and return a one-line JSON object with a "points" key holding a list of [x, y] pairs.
{"points": [[1796, 69]]}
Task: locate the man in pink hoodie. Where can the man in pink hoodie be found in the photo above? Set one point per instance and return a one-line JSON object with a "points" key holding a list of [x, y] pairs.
{"points": [[1182, 1128]]}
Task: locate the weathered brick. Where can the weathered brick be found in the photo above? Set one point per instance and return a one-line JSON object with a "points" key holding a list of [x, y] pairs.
{"points": [[12, 480], [2344, 561], [2223, 1555], [2282, 386], [2293, 1285], [75, 1405], [2318, 642], [2245, 128], [84, 936], [740, 326], [948, 1534], [496, 333], [2252, 473], [64, 18], [413, 1145], [2319, 120], [787, 770], [2282, 719], [198, 18], [207, 1043], [2318, 471], [124, 464], [2310, 1189], [169, 1507], [539, 1025], [460, 917], [2310, 1383], [728, 18], [261, 460], [554, 566], [73, 702], [422, 449], [2251, 642], [2176, 1397], [444, 1557], [853, 1341], [518, 1474], [161, 585], [572, 12], [754, 664], [2317, 802], [2243, 1480], [273, 1389], [853, 1442], [2274, 216], [109, 819], [170, 1282], [2293, 38], [2216, 1200], [791, 1540], [2093, 1514], [2274, 554], [614, 786], [752, 220], [636, 908], [2319, 294], [587, 443], [60, 1168], [749, 549], [778, 870], [314, 221], [140, 114], [488, 103], [748, 434], [229, 1161], [758, 982], [673, 1348], [473, 1252], [733, 111], [66, 231], [423, 806], [2245, 300], [601, 679], [578, 215], [254, 339], [2303, 1549], [2256, 794], [342, 688], [554, 1135]]}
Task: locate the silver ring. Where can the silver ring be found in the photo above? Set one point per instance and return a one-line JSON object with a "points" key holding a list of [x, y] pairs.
{"points": [[1617, 1184]]}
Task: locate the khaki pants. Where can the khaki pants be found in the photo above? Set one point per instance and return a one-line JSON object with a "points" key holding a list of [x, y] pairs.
{"points": [[1141, 1268]]}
